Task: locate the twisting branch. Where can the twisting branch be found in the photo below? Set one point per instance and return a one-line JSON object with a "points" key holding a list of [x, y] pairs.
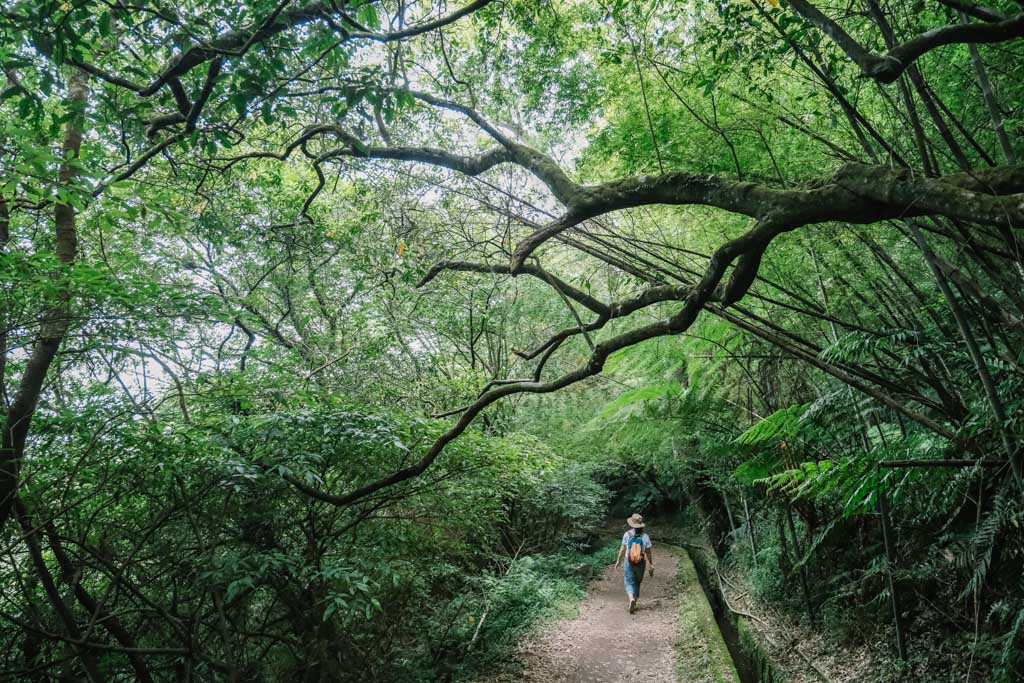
{"points": [[887, 67], [855, 193], [539, 164], [695, 301], [237, 42]]}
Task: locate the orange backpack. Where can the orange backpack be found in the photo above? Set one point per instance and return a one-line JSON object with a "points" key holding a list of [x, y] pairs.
{"points": [[635, 549]]}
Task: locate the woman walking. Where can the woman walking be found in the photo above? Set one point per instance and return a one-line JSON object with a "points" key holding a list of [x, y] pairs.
{"points": [[636, 547]]}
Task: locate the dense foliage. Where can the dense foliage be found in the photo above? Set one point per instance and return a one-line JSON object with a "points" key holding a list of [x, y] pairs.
{"points": [[329, 331]]}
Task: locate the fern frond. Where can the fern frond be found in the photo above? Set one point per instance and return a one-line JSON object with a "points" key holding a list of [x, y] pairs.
{"points": [[783, 423]]}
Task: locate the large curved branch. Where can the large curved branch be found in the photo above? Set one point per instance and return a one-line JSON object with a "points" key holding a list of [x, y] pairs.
{"points": [[695, 301], [886, 68], [750, 199], [857, 193], [539, 164], [432, 156]]}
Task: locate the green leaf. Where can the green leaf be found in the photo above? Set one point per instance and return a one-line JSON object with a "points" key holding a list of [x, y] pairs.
{"points": [[641, 394], [781, 424], [104, 24]]}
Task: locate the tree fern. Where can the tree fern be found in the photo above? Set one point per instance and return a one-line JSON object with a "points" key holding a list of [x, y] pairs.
{"points": [[782, 424], [640, 394]]}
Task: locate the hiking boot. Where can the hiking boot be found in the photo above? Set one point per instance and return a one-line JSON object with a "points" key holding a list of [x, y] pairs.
{"points": [[632, 605]]}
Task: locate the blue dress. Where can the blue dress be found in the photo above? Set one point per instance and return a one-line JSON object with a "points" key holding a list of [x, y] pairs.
{"points": [[633, 574]]}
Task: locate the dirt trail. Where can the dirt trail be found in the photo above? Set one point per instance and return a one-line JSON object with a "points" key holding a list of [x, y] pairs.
{"points": [[606, 643]]}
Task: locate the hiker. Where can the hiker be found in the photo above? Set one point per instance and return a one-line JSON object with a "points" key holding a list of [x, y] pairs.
{"points": [[636, 547]]}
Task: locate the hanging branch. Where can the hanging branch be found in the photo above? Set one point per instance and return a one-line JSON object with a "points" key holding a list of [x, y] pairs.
{"points": [[855, 193]]}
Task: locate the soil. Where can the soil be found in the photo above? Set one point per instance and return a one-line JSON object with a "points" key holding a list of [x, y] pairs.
{"points": [[606, 643]]}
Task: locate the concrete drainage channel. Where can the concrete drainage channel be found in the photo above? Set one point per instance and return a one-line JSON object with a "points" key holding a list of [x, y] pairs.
{"points": [[752, 664]]}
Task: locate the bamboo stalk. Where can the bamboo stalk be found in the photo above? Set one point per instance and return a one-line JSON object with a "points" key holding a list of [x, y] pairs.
{"points": [[890, 556]]}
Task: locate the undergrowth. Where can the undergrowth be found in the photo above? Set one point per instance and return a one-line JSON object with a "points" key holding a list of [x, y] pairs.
{"points": [[533, 590]]}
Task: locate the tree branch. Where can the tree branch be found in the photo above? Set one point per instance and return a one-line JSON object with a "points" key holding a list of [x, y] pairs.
{"points": [[695, 301], [573, 293], [888, 67]]}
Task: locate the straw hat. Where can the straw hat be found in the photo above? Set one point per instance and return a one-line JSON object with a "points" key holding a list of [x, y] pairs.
{"points": [[636, 521]]}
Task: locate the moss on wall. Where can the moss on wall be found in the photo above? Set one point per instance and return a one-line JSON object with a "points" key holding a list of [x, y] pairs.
{"points": [[702, 654]]}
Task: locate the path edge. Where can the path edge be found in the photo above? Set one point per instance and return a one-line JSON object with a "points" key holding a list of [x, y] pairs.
{"points": [[700, 649]]}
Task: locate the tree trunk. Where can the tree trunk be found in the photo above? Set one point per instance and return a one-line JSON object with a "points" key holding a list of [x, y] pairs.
{"points": [[55, 320]]}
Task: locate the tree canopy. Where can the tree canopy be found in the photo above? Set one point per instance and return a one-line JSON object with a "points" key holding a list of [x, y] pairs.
{"points": [[284, 283]]}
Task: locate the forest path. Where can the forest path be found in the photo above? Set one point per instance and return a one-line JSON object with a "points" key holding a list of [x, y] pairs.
{"points": [[606, 643]]}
